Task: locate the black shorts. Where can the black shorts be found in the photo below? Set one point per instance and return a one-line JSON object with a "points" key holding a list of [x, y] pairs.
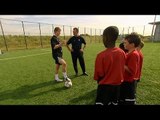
{"points": [[56, 58], [138, 80], [127, 92], [107, 94]]}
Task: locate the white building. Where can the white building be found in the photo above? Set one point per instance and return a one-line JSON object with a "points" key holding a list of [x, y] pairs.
{"points": [[156, 32]]}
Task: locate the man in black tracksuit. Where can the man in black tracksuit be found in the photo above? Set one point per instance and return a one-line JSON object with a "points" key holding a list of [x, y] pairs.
{"points": [[77, 50]]}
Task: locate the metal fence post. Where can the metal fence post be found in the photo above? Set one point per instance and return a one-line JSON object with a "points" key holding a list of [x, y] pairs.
{"points": [[70, 30], [63, 33], [99, 35], [128, 29], [95, 35], [52, 29], [3, 36], [24, 35], [40, 35], [85, 32], [132, 29], [90, 35], [143, 30], [123, 32]]}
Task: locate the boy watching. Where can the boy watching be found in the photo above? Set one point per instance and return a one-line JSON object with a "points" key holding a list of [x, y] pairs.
{"points": [[127, 91], [141, 45], [109, 69]]}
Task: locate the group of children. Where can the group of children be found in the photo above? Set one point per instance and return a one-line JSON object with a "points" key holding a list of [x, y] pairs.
{"points": [[118, 69]]}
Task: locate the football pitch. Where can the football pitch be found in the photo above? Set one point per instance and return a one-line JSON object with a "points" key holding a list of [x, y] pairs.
{"points": [[27, 78]]}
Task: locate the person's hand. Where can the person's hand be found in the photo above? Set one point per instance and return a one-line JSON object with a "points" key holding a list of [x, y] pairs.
{"points": [[60, 44], [63, 42], [81, 50], [71, 50]]}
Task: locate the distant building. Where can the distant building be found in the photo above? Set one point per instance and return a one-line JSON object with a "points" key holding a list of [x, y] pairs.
{"points": [[156, 33]]}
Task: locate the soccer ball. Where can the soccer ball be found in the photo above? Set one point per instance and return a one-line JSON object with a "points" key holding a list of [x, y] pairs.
{"points": [[68, 84]]}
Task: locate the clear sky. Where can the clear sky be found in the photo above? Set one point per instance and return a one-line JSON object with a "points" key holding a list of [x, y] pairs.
{"points": [[91, 21]]}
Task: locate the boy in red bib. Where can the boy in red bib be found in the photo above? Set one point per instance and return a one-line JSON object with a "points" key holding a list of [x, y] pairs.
{"points": [[109, 69], [127, 91]]}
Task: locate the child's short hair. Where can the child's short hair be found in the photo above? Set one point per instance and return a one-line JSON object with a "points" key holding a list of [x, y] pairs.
{"points": [[76, 29], [56, 29], [110, 35], [133, 38]]}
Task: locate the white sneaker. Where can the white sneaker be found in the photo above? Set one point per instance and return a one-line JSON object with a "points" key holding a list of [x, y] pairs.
{"points": [[58, 80], [67, 79]]}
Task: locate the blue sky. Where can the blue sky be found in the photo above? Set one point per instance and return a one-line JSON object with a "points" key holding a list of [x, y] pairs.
{"points": [[90, 21]]}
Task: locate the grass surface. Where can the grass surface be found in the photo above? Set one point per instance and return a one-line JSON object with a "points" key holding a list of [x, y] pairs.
{"points": [[27, 78]]}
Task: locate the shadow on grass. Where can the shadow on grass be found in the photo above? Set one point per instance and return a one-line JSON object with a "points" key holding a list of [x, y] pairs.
{"points": [[25, 92], [73, 76], [78, 77], [88, 96]]}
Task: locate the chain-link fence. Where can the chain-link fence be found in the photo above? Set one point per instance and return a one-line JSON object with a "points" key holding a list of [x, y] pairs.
{"points": [[16, 34]]}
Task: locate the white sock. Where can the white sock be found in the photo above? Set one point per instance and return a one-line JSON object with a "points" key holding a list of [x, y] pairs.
{"points": [[64, 74], [56, 76]]}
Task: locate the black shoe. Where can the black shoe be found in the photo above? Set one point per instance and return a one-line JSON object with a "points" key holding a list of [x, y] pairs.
{"points": [[85, 74], [76, 74]]}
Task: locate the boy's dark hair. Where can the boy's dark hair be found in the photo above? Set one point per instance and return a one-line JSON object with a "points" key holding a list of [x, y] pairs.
{"points": [[133, 38], [56, 29], [110, 35], [121, 45], [76, 29]]}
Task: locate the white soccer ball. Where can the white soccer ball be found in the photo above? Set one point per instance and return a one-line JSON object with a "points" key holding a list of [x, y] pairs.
{"points": [[68, 84]]}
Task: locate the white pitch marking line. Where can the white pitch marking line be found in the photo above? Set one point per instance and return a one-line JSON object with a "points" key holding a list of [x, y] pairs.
{"points": [[45, 50], [23, 56]]}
